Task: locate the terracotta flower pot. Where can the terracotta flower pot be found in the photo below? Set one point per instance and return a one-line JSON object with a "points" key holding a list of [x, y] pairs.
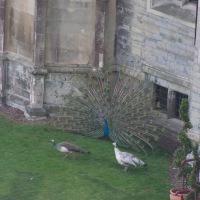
{"points": [[178, 193]]}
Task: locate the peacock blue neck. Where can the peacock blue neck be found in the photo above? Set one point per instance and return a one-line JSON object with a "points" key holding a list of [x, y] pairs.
{"points": [[105, 128]]}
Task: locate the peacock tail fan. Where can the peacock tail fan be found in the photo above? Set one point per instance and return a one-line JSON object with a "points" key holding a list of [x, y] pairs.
{"points": [[114, 104]]}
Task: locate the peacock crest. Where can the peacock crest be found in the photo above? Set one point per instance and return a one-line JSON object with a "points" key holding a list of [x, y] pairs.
{"points": [[111, 103]]}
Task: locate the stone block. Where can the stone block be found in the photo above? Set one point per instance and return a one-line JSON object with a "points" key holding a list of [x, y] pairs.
{"points": [[2, 3], [189, 41], [171, 57], [1, 28], [41, 7], [150, 27], [2, 13], [23, 84], [157, 37], [25, 49], [40, 41], [76, 15], [124, 19], [180, 46], [195, 103], [170, 48], [191, 49], [1, 43], [17, 101], [35, 113], [20, 92], [181, 60], [188, 55], [125, 5], [151, 42], [40, 27], [29, 7], [161, 45], [39, 57]]}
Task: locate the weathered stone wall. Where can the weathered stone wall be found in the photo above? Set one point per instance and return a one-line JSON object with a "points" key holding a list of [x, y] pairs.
{"points": [[56, 86], [19, 27], [18, 49], [160, 45], [146, 38], [74, 41], [45, 39], [69, 31], [17, 84]]}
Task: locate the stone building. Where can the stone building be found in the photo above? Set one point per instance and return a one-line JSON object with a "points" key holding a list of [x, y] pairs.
{"points": [[43, 41]]}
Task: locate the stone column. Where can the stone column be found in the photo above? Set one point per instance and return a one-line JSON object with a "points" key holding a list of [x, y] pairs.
{"points": [[99, 33], [35, 110], [2, 18], [105, 26], [110, 29]]}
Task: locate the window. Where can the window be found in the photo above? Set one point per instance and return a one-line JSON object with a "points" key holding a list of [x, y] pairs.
{"points": [[184, 2], [161, 98], [193, 1], [182, 11], [179, 97], [168, 101]]}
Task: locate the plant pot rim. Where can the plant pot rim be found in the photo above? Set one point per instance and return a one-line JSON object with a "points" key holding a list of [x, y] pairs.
{"points": [[180, 191]]}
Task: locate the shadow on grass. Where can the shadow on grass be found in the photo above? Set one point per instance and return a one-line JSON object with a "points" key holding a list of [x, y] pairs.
{"points": [[25, 186]]}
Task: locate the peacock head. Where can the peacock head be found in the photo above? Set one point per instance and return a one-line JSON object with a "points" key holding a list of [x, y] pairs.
{"points": [[114, 144], [53, 141]]}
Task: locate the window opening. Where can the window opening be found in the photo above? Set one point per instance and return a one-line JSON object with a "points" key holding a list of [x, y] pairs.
{"points": [[179, 97], [193, 1], [161, 98]]}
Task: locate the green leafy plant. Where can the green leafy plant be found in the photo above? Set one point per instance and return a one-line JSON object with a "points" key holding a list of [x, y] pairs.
{"points": [[187, 170], [193, 180], [186, 145]]}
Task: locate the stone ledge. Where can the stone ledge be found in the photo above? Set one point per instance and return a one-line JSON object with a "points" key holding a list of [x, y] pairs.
{"points": [[18, 59], [39, 71], [166, 76], [68, 68]]}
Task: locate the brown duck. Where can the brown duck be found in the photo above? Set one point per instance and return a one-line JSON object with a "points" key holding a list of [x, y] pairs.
{"points": [[68, 148]]}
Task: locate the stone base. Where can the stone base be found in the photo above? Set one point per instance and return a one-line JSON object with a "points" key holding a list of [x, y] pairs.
{"points": [[35, 113]]}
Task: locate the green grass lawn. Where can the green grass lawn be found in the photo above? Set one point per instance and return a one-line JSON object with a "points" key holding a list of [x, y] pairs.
{"points": [[31, 169]]}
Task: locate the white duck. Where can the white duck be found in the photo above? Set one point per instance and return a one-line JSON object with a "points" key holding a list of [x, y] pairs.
{"points": [[127, 159]]}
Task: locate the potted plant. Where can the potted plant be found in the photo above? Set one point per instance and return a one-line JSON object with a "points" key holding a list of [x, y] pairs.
{"points": [[186, 169]]}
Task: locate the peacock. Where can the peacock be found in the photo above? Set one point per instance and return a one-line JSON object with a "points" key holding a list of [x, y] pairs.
{"points": [[111, 103], [127, 159], [68, 148]]}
